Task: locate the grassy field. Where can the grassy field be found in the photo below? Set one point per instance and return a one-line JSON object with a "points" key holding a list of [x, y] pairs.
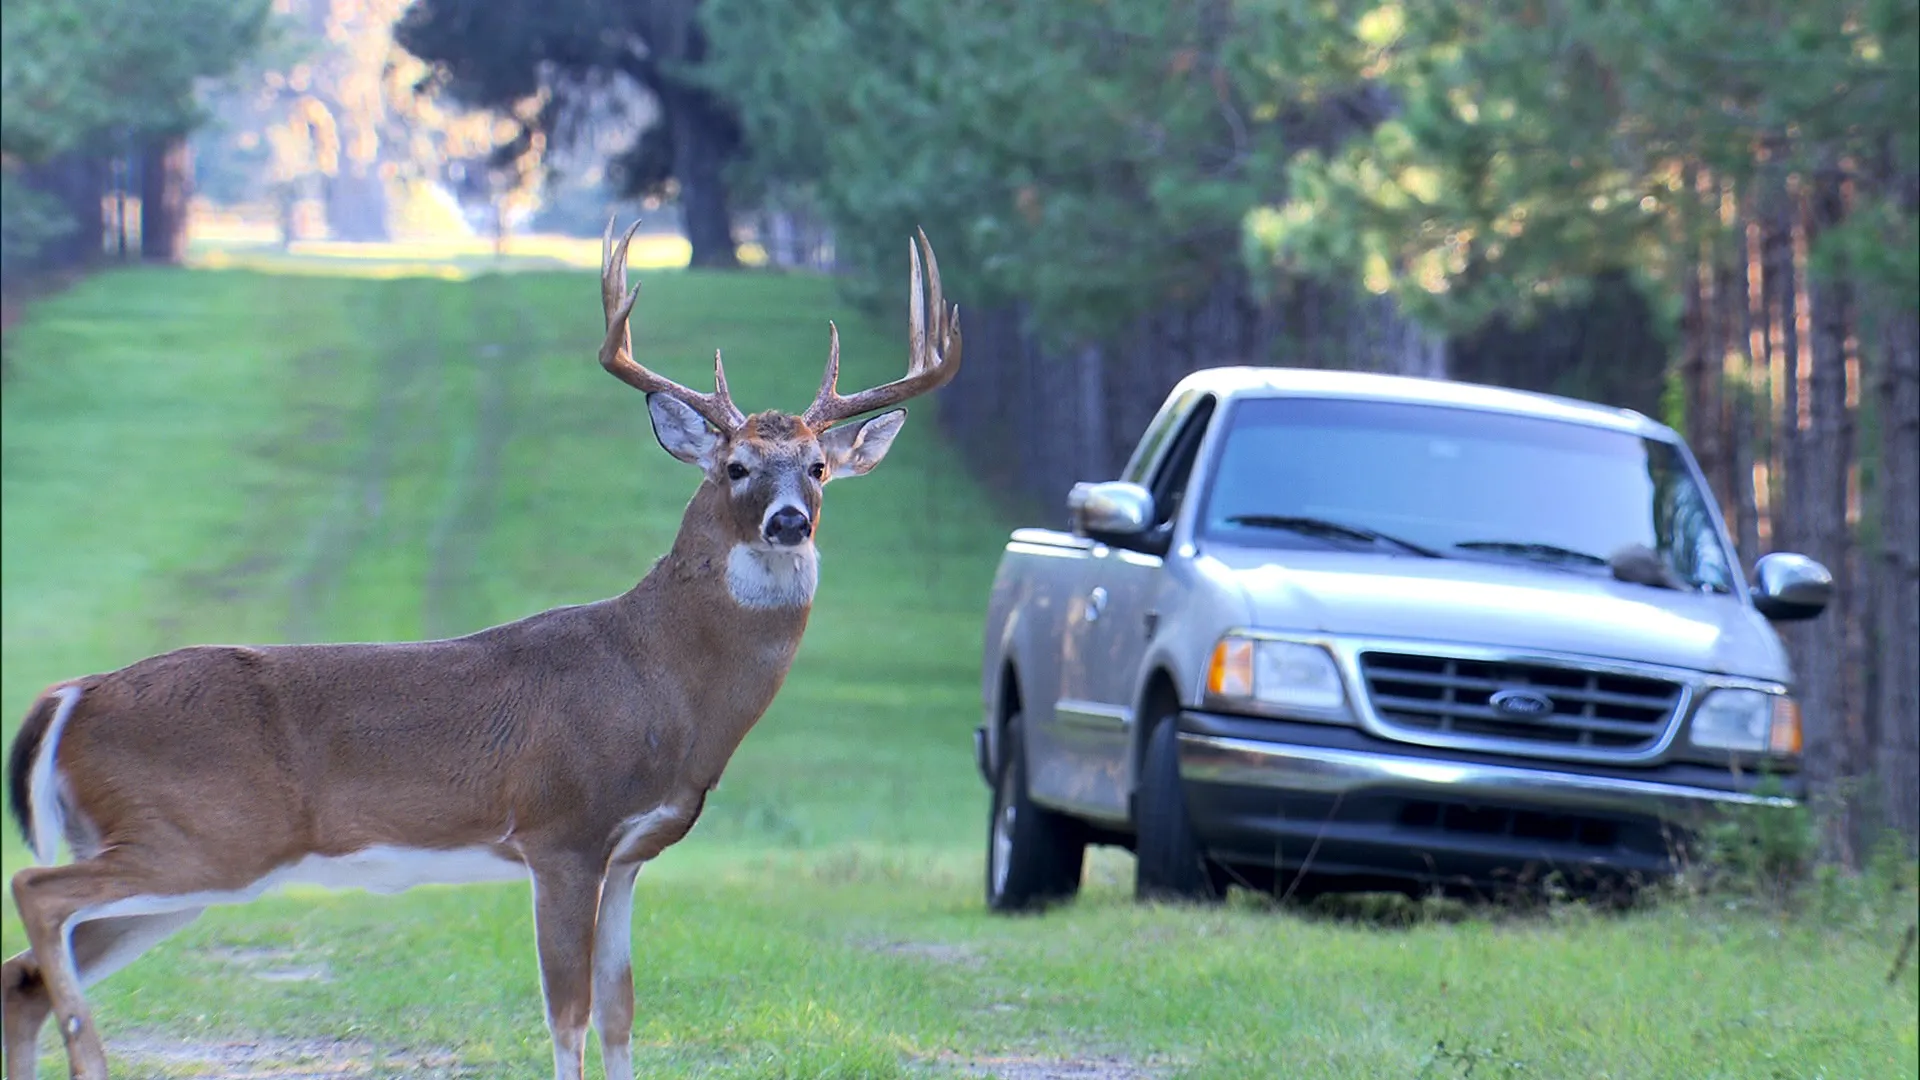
{"points": [[237, 456]]}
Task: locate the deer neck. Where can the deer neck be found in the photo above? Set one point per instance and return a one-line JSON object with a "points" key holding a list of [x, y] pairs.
{"points": [[724, 617], [755, 577]]}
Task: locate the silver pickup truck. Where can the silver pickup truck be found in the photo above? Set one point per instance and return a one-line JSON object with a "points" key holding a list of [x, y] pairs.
{"points": [[1342, 630]]}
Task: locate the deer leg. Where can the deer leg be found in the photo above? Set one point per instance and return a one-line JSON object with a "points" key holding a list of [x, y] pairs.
{"points": [[48, 897], [566, 897], [51, 899], [100, 948], [613, 971], [104, 946], [24, 1006]]}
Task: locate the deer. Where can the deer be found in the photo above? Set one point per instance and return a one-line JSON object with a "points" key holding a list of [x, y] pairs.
{"points": [[570, 747]]}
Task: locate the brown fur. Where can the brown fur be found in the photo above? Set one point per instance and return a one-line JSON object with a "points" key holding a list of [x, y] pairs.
{"points": [[440, 743]]}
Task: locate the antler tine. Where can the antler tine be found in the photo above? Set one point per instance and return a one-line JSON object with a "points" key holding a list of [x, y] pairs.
{"points": [[831, 379], [933, 356], [616, 351], [720, 390], [916, 311]]}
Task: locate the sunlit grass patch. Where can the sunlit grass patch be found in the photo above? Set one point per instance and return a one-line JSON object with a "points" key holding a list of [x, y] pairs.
{"points": [[450, 258]]}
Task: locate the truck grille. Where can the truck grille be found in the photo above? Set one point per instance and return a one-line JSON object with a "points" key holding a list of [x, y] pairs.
{"points": [[1441, 695]]}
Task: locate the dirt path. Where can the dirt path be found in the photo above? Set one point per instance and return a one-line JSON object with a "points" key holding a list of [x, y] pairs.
{"points": [[1045, 1067], [155, 1056]]}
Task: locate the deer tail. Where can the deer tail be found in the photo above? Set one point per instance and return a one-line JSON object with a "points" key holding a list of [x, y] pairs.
{"points": [[33, 792]]}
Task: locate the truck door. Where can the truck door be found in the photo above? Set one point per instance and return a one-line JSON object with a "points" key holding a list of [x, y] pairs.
{"points": [[1108, 626]]}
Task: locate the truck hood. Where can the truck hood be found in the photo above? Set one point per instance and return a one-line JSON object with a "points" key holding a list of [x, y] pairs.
{"points": [[1475, 602]]}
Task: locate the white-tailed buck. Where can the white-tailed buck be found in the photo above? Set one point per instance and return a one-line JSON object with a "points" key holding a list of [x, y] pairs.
{"points": [[571, 746]]}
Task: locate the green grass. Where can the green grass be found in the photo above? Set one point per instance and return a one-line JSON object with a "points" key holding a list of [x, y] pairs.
{"points": [[232, 456]]}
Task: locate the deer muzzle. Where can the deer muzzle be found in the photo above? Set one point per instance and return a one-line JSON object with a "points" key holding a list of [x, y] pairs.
{"points": [[788, 526]]}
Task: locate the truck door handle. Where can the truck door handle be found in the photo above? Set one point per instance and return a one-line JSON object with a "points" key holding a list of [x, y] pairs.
{"points": [[1096, 602]]}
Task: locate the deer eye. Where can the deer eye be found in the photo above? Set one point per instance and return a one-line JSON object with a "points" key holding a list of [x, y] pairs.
{"points": [[818, 471], [736, 471]]}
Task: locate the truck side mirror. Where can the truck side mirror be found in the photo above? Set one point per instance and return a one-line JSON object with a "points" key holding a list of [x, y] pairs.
{"points": [[1788, 586], [1111, 511]]}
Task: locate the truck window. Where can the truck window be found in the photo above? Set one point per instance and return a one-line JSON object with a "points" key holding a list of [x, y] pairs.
{"points": [[1159, 430], [1170, 480]]}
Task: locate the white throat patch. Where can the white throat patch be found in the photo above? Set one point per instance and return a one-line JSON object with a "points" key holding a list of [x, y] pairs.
{"points": [[773, 578]]}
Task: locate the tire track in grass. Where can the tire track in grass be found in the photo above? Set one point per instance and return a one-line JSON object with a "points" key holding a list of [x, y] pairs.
{"points": [[497, 354], [253, 566], [323, 561]]}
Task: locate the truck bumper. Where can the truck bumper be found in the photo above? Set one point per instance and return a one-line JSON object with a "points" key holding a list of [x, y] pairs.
{"points": [[1365, 810]]}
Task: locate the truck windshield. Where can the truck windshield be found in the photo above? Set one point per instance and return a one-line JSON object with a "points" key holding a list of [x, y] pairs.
{"points": [[1324, 473]]}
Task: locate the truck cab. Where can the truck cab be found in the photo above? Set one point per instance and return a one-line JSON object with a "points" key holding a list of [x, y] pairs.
{"points": [[1331, 628]]}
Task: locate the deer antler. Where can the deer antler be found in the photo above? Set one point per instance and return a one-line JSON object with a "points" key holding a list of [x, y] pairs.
{"points": [[933, 359], [616, 352]]}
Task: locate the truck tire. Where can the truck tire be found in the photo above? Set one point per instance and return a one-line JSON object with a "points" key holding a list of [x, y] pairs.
{"points": [[1168, 862], [1034, 855]]}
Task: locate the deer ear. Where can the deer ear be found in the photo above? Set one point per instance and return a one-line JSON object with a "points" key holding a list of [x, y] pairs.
{"points": [[682, 431], [857, 448]]}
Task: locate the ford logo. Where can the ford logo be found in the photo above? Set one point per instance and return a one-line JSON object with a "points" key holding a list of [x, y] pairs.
{"points": [[1521, 703]]}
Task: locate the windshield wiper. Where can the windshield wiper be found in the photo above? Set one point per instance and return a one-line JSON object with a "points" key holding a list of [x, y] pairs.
{"points": [[1635, 564], [1313, 526], [1553, 553]]}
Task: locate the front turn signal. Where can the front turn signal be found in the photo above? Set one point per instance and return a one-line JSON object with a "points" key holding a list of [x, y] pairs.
{"points": [[1784, 737], [1230, 673]]}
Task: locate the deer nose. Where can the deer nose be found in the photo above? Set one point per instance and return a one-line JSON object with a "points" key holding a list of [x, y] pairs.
{"points": [[788, 526]]}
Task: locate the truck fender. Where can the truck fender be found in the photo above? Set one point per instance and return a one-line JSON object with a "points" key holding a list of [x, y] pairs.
{"points": [[1004, 675], [1161, 676]]}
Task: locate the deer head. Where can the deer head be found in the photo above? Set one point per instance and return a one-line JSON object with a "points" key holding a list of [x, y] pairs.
{"points": [[768, 469]]}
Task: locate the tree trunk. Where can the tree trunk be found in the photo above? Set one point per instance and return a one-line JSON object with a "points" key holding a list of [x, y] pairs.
{"points": [[166, 183], [119, 184], [1821, 660], [1897, 577], [1700, 373], [1737, 406], [1898, 584], [79, 182], [286, 202], [1090, 395], [1784, 294], [357, 205], [703, 139], [1779, 294]]}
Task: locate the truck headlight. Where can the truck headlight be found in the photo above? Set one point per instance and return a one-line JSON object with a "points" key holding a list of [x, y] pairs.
{"points": [[1752, 721], [1285, 673]]}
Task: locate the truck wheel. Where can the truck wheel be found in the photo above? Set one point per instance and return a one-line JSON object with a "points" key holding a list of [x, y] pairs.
{"points": [[1168, 862], [1034, 855]]}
